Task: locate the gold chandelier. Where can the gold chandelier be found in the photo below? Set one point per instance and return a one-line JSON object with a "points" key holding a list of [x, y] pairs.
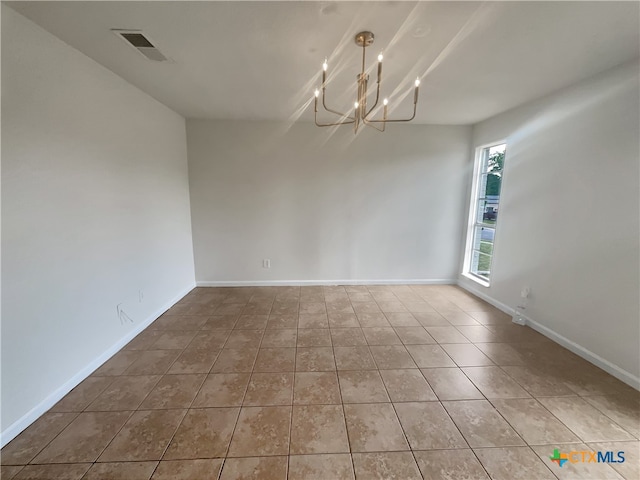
{"points": [[361, 116]]}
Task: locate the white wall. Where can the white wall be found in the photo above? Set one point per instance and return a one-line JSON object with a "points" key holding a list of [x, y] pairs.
{"points": [[322, 207], [569, 215], [95, 207]]}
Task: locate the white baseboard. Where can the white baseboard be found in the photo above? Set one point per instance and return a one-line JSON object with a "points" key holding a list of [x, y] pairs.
{"points": [[609, 367], [296, 283], [479, 293], [32, 415]]}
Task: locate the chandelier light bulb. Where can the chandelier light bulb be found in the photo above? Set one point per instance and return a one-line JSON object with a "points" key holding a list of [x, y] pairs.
{"points": [[380, 57], [317, 93], [325, 65], [417, 82], [356, 104], [385, 102]]}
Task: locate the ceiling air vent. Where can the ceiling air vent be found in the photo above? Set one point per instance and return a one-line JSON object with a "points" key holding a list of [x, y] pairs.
{"points": [[141, 43]]}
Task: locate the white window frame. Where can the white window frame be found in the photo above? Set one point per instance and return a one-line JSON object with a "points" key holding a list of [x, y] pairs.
{"points": [[473, 215]]}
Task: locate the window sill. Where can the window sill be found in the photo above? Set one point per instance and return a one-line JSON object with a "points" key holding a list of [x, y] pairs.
{"points": [[476, 279]]}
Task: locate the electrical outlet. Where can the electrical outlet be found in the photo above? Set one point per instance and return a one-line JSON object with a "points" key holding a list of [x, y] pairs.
{"points": [[266, 263], [140, 296], [525, 292], [519, 316]]}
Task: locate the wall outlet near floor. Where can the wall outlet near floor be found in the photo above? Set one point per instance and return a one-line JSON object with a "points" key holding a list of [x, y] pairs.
{"points": [[140, 296], [266, 263], [518, 315]]}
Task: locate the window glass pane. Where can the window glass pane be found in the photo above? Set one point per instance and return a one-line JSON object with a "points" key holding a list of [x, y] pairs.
{"points": [[482, 187], [497, 149], [477, 238], [484, 265], [495, 166], [487, 234], [486, 247], [483, 239], [490, 212], [485, 208], [493, 183], [475, 259], [484, 162], [480, 211], [481, 263]]}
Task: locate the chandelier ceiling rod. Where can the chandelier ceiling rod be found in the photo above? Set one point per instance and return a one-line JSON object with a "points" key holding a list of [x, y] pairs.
{"points": [[361, 114]]}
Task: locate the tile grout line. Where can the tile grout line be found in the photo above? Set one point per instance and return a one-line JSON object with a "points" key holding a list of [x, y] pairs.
{"points": [[454, 424], [460, 306], [403, 428], [293, 392], [576, 395], [505, 420], [241, 406], [84, 410], [206, 375], [541, 404], [344, 411], [406, 437], [131, 413], [77, 414]]}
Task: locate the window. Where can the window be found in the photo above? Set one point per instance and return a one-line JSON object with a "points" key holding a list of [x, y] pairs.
{"points": [[483, 213]]}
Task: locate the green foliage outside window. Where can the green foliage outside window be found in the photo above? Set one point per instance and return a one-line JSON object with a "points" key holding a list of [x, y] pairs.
{"points": [[494, 170]]}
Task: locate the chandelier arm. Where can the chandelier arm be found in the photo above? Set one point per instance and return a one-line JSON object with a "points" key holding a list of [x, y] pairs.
{"points": [[331, 110], [377, 91], [315, 113], [324, 93], [332, 124], [375, 103], [369, 124], [398, 119]]}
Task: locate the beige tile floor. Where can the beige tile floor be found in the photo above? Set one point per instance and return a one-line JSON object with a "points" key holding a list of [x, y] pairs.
{"points": [[328, 383]]}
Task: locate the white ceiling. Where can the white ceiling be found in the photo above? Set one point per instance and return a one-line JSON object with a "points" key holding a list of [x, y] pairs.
{"points": [[262, 60]]}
